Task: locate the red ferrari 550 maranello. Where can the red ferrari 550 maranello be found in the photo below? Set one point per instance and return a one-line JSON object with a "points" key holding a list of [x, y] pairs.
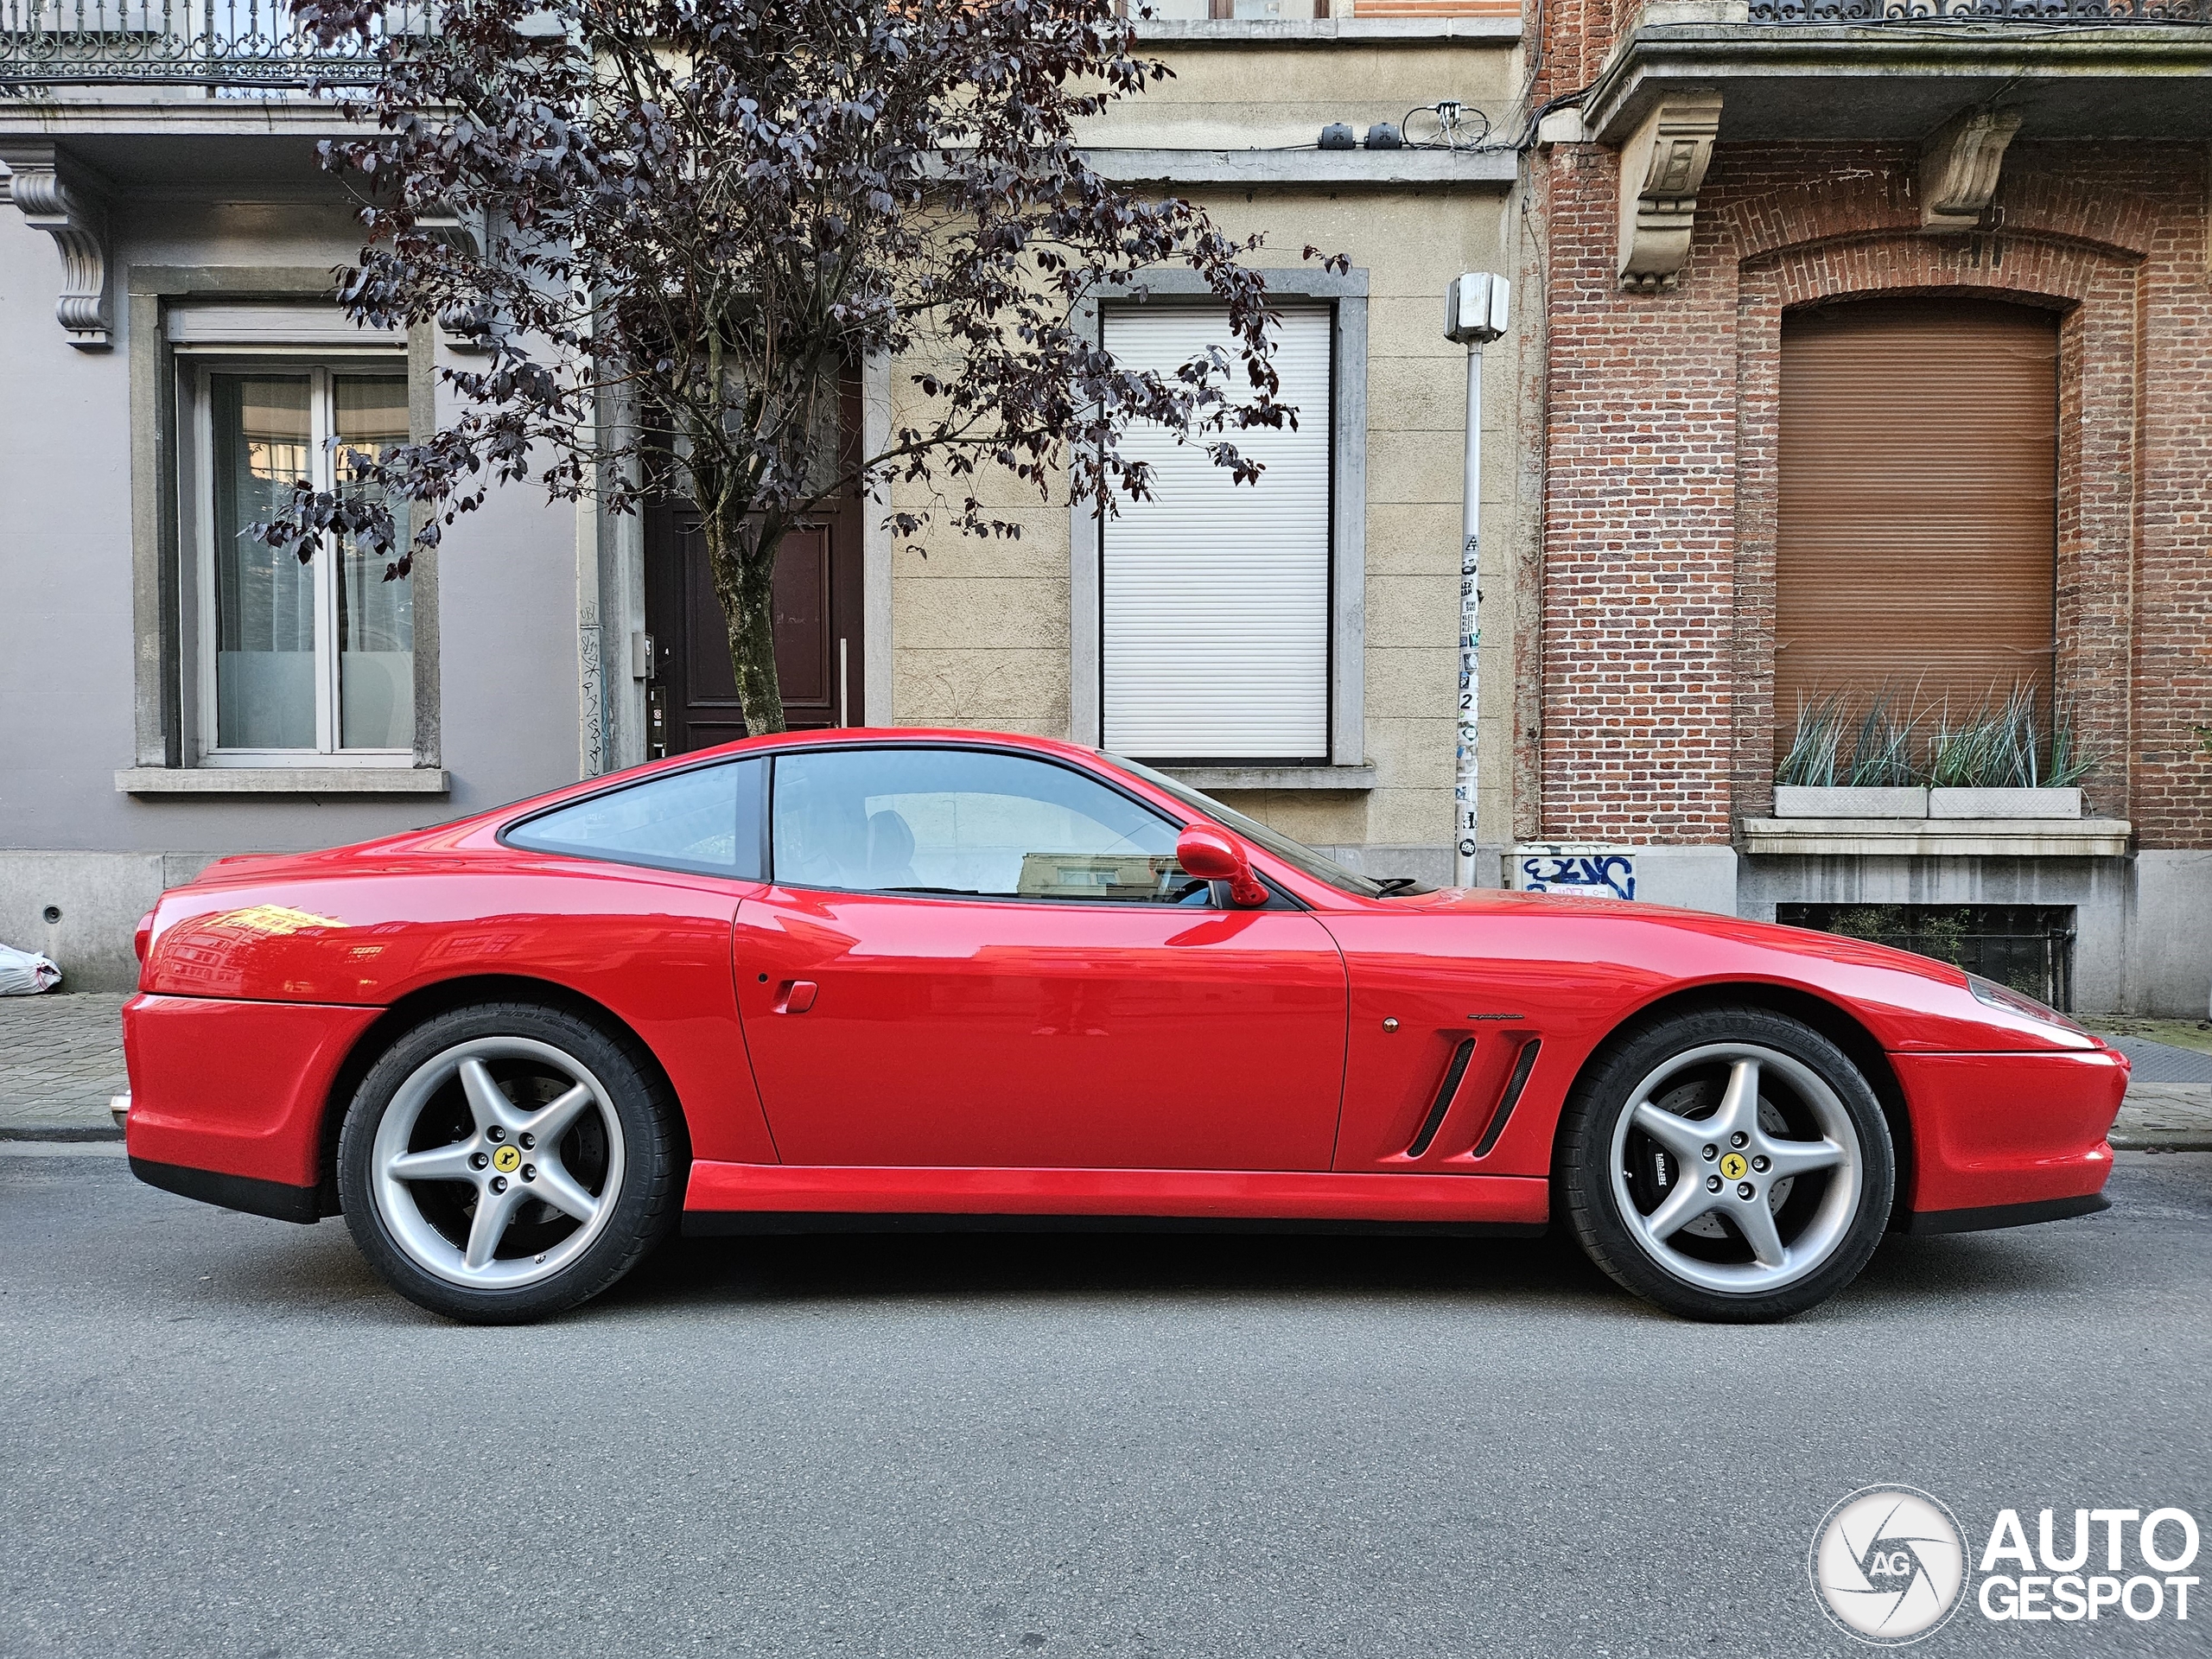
{"points": [[929, 978]]}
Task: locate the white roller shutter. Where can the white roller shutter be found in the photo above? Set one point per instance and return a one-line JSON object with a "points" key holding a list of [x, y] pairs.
{"points": [[321, 325], [1215, 607]]}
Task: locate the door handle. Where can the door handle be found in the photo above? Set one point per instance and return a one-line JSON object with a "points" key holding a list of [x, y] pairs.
{"points": [[795, 996]]}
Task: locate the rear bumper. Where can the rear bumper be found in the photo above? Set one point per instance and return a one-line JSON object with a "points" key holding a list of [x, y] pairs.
{"points": [[271, 1198], [229, 1097], [2006, 1215], [2003, 1140]]}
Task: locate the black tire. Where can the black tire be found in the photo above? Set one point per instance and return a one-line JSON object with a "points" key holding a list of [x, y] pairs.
{"points": [[1850, 1224], [641, 1154]]}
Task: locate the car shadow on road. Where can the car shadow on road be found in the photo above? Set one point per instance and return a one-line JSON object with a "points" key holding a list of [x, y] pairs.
{"points": [[1549, 1273], [1087, 1265]]}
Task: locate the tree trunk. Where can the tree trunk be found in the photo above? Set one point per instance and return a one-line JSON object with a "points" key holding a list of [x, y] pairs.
{"points": [[743, 560]]}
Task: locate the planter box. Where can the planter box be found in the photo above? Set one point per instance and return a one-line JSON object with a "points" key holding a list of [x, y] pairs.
{"points": [[1795, 801], [2004, 802]]}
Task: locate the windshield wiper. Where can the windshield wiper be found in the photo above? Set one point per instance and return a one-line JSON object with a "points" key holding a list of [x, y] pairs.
{"points": [[1393, 884], [965, 893]]}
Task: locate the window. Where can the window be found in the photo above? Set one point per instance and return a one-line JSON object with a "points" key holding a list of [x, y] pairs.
{"points": [[968, 822], [1214, 598], [313, 659], [706, 819], [1916, 534]]}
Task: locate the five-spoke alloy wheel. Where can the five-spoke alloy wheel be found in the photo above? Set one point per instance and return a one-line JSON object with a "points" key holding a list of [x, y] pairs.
{"points": [[1729, 1164], [502, 1161]]}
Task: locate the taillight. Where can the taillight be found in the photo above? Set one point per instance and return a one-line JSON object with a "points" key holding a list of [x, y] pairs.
{"points": [[144, 938]]}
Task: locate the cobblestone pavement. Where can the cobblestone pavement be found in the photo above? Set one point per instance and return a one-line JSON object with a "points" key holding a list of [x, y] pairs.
{"points": [[61, 1057]]}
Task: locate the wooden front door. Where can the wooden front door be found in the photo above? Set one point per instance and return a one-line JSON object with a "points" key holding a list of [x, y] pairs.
{"points": [[692, 692]]}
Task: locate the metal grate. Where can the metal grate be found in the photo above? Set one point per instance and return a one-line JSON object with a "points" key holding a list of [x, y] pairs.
{"points": [[2075, 14], [2028, 947]]}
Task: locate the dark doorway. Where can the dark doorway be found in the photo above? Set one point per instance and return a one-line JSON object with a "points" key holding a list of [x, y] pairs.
{"points": [[692, 692]]}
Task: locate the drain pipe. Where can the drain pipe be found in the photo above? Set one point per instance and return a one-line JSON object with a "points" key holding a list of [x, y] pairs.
{"points": [[1474, 314]]}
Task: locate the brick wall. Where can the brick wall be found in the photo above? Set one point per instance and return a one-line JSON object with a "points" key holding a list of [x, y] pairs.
{"points": [[1657, 596]]}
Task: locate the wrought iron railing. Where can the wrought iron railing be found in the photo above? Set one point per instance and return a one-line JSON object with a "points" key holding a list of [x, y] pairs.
{"points": [[2028, 947], [2064, 14], [215, 44]]}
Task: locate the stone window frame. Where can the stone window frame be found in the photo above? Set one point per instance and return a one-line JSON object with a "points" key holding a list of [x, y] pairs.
{"points": [[2093, 287], [1347, 769], [162, 655]]}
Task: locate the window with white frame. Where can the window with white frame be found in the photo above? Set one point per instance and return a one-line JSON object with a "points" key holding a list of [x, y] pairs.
{"points": [[295, 659], [1215, 597]]}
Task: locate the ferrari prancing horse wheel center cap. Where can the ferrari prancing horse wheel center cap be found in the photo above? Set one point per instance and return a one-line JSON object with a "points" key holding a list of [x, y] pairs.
{"points": [[1731, 1168], [508, 1157]]}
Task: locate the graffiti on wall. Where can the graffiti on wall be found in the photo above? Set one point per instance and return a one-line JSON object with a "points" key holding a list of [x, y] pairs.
{"points": [[1591, 873]]}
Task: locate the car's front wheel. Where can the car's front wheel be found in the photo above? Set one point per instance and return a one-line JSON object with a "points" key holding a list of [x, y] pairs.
{"points": [[505, 1161], [1731, 1164]]}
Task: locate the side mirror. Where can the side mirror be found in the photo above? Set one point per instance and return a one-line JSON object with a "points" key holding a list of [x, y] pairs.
{"points": [[1210, 855]]}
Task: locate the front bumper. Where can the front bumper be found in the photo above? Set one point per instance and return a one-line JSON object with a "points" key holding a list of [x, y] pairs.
{"points": [[2002, 1140]]}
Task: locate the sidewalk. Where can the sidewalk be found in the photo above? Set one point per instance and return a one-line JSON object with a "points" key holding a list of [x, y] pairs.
{"points": [[2169, 1107], [61, 1057]]}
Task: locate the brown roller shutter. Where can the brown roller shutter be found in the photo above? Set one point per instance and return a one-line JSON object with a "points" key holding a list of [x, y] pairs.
{"points": [[1918, 500]]}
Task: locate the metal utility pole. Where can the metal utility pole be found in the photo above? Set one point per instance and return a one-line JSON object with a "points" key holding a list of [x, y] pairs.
{"points": [[1474, 314]]}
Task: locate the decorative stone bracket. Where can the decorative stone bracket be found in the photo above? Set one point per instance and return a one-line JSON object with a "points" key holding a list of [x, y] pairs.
{"points": [[67, 202], [1959, 166], [464, 234], [1663, 165]]}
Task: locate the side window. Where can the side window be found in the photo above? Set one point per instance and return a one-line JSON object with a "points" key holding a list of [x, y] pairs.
{"points": [[966, 821], [707, 819]]}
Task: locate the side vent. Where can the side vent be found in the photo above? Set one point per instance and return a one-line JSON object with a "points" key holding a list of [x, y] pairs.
{"points": [[1450, 1087], [1514, 1086]]}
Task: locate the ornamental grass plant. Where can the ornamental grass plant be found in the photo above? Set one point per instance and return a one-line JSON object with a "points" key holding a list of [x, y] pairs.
{"points": [[2003, 742]]}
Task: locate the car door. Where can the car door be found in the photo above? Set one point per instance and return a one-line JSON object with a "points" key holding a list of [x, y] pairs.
{"points": [[972, 957]]}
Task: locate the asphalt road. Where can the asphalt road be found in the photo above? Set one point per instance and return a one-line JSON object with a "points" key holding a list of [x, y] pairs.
{"points": [[219, 1434]]}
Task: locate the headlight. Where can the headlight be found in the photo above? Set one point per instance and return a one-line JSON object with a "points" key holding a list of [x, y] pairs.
{"points": [[1990, 993]]}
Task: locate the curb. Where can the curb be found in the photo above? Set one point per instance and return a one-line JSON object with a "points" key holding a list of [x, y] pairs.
{"points": [[2161, 1143], [58, 1132]]}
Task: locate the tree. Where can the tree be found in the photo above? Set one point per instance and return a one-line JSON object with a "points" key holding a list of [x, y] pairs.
{"points": [[709, 212]]}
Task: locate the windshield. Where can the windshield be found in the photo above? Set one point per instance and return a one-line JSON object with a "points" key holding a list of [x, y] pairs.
{"points": [[1298, 856]]}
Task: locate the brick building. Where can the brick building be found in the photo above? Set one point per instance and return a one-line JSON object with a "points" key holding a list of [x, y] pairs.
{"points": [[1875, 361]]}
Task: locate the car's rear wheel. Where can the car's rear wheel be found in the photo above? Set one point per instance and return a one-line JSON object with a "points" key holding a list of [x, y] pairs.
{"points": [[1731, 1164], [505, 1161]]}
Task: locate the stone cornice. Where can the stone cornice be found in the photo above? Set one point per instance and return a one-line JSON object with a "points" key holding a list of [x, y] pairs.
{"points": [[1306, 165], [1939, 66]]}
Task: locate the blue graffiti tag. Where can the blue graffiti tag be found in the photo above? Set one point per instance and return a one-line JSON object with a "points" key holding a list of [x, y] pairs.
{"points": [[1597, 874]]}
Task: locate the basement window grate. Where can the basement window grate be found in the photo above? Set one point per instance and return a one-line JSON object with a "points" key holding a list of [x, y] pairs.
{"points": [[2027, 947]]}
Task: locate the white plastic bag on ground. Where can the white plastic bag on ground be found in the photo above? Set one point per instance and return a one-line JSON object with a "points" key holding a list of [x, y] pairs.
{"points": [[23, 974]]}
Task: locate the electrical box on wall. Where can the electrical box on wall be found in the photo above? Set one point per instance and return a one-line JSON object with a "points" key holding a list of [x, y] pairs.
{"points": [[1475, 308]]}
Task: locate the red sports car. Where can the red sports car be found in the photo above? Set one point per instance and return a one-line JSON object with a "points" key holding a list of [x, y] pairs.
{"points": [[898, 978]]}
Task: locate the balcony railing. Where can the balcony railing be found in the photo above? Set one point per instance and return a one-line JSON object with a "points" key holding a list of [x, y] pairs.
{"points": [[216, 44], [2062, 14]]}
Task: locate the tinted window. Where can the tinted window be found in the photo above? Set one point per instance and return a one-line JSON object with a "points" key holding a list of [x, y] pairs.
{"points": [[708, 818], [965, 821]]}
